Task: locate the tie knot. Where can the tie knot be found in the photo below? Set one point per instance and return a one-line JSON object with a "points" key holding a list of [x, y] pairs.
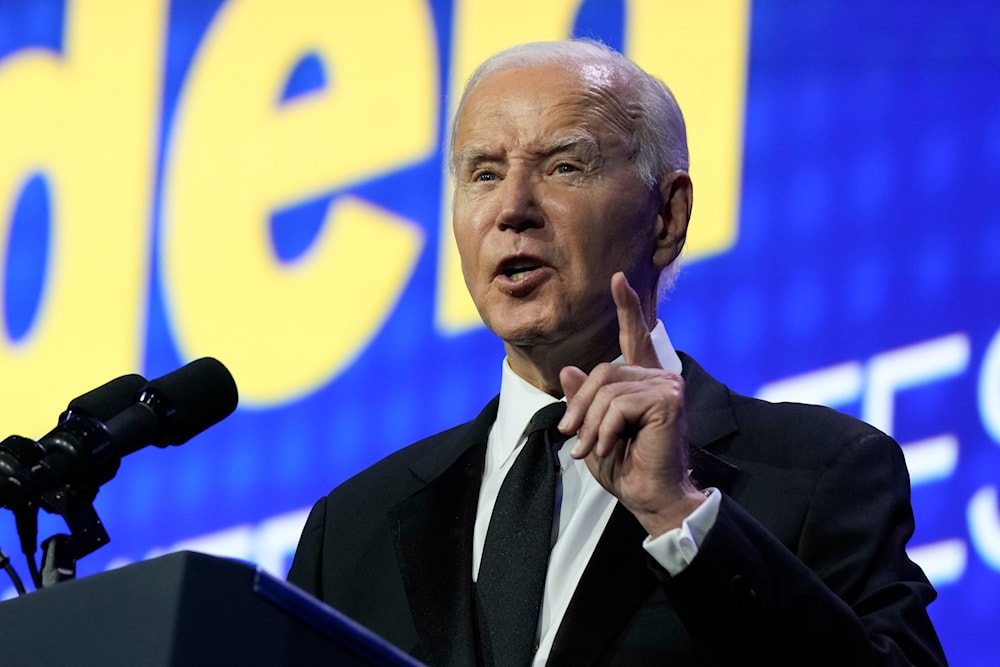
{"points": [[547, 418]]}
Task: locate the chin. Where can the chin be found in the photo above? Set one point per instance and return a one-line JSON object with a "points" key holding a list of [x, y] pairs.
{"points": [[512, 319], [521, 336]]}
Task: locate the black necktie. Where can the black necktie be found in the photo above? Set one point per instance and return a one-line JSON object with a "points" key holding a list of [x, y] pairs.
{"points": [[516, 554]]}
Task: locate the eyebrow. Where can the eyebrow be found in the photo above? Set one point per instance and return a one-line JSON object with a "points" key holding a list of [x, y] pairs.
{"points": [[473, 155], [583, 140]]}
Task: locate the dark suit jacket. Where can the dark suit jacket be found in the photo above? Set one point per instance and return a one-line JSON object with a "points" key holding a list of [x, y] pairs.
{"points": [[804, 566]]}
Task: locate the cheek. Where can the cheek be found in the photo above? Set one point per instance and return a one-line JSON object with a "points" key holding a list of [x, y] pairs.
{"points": [[467, 252], [471, 215], [473, 218], [607, 247], [470, 243]]}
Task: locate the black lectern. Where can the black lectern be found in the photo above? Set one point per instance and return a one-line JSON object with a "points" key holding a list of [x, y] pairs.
{"points": [[183, 609]]}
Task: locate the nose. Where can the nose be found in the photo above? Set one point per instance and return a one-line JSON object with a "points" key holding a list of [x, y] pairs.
{"points": [[519, 203]]}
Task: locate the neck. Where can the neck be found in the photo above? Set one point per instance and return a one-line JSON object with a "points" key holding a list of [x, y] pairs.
{"points": [[540, 365]]}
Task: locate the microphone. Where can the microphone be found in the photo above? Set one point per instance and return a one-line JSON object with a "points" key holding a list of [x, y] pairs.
{"points": [[107, 400], [176, 407], [122, 416]]}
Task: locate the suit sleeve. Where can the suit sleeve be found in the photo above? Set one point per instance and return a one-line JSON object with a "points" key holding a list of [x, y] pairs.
{"points": [[306, 571], [846, 595]]}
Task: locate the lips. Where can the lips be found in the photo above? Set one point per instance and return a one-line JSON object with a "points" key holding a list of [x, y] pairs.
{"points": [[516, 267], [520, 273]]}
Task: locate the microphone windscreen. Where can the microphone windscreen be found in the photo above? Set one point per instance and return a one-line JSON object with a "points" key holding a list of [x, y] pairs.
{"points": [[200, 394], [109, 399]]}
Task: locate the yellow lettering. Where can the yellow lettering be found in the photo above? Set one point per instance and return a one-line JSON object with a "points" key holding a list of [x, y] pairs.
{"points": [[238, 155], [85, 119], [700, 50]]}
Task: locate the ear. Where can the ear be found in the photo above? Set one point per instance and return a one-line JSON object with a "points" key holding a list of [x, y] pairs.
{"points": [[671, 226]]}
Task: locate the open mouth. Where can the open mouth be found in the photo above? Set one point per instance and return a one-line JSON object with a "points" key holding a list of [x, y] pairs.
{"points": [[517, 269], [519, 273]]}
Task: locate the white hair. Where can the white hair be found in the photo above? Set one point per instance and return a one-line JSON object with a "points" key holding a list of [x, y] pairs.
{"points": [[658, 134]]}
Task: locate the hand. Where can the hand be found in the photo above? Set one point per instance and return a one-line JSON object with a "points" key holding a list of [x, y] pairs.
{"points": [[629, 420]]}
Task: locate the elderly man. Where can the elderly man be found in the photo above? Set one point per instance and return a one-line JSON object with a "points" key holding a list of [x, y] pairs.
{"points": [[681, 523]]}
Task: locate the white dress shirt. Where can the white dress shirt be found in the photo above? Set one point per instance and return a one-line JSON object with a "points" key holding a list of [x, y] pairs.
{"points": [[583, 507]]}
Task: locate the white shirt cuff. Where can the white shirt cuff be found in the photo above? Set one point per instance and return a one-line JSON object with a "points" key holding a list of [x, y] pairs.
{"points": [[675, 549]]}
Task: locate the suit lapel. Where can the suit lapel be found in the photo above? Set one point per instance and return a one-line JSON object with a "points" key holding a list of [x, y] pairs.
{"points": [[434, 530], [615, 583], [710, 422]]}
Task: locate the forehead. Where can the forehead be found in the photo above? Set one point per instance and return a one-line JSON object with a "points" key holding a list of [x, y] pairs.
{"points": [[524, 104]]}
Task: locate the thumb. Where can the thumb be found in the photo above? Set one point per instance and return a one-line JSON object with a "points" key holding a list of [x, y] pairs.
{"points": [[571, 378]]}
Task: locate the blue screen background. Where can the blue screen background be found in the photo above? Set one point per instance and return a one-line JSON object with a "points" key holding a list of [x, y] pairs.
{"points": [[869, 222]]}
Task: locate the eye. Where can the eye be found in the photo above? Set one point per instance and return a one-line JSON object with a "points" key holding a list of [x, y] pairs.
{"points": [[566, 168], [484, 176]]}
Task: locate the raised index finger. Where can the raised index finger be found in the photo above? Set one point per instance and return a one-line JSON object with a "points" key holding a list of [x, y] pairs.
{"points": [[633, 333]]}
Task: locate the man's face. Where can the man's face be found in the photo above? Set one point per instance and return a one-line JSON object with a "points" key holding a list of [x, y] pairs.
{"points": [[548, 205]]}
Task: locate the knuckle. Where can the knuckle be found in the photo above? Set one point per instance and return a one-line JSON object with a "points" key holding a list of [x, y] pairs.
{"points": [[607, 432], [605, 394]]}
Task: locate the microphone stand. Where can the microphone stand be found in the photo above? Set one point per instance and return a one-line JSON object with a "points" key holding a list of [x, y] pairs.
{"points": [[58, 560], [87, 534], [81, 442], [73, 501]]}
